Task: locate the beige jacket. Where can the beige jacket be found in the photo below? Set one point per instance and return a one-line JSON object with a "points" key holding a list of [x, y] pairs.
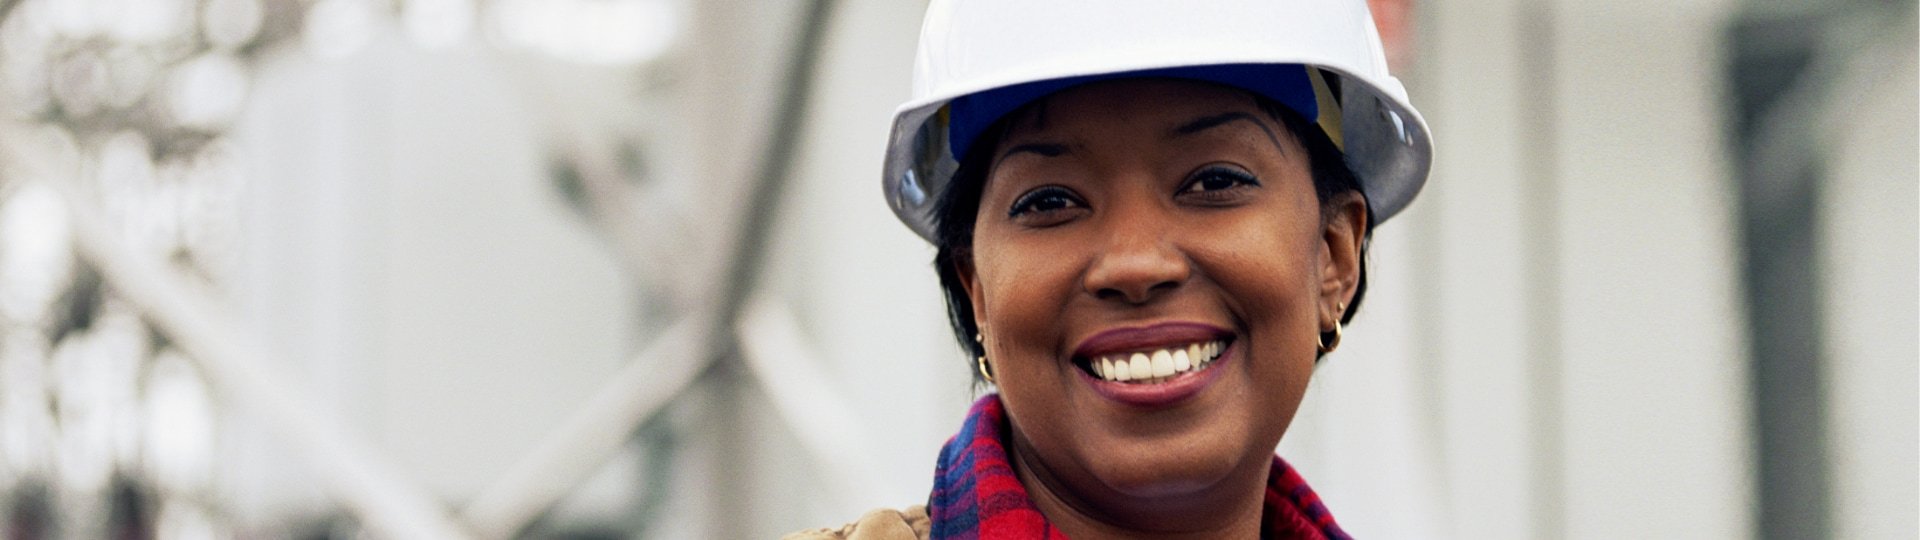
{"points": [[881, 524]]}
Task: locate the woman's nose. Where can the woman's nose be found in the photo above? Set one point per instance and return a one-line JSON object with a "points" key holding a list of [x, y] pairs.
{"points": [[1137, 265]]}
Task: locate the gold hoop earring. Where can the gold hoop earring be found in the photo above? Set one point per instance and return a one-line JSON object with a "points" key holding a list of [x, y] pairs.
{"points": [[1329, 346], [985, 371]]}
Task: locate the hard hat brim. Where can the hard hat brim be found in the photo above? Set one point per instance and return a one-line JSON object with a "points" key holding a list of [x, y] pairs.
{"points": [[970, 115], [1385, 140]]}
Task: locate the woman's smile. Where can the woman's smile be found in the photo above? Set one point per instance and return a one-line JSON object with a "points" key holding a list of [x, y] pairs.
{"points": [[1155, 365]]}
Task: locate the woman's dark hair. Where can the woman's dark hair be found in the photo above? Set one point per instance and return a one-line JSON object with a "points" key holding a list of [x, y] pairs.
{"points": [[959, 203]]}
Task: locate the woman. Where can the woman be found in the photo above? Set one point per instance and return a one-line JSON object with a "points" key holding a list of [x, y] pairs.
{"points": [[1152, 220]]}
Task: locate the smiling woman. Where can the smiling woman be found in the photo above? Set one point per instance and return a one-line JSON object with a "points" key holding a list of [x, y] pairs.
{"points": [[1152, 221], [1151, 268]]}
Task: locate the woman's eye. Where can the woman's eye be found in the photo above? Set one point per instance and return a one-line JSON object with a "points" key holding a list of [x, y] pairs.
{"points": [[1215, 179], [1044, 200]]}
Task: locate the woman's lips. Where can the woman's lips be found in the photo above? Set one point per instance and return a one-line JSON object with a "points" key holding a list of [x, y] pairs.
{"points": [[1154, 365], [1155, 336]]}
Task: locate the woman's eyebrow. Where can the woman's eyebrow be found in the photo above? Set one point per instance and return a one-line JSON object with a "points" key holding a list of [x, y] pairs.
{"points": [[1043, 149], [1209, 122]]}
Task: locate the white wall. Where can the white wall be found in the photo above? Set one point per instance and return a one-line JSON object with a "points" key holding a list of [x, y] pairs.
{"points": [[1869, 237], [1656, 429], [1560, 354], [410, 259]]}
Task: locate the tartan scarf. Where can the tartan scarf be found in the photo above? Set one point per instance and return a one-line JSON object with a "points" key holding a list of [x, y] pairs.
{"points": [[976, 495]]}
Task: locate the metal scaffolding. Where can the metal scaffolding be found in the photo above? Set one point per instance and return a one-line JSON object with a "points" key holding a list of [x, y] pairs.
{"points": [[724, 331]]}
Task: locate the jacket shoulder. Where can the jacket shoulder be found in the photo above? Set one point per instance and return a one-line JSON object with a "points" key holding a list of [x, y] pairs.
{"points": [[881, 524]]}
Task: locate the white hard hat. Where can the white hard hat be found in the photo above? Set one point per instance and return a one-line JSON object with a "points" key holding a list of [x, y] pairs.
{"points": [[980, 59]]}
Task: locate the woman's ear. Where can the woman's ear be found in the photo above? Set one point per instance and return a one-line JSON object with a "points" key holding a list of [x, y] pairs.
{"points": [[1344, 231]]}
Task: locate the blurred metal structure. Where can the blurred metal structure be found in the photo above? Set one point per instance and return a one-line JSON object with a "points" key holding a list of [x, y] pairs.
{"points": [[723, 334], [1793, 67], [374, 489], [112, 138]]}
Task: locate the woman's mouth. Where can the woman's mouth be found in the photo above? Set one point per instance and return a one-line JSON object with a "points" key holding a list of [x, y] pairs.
{"points": [[1157, 373], [1156, 365]]}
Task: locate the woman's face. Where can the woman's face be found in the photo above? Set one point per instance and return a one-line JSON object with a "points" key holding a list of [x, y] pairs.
{"points": [[1126, 221]]}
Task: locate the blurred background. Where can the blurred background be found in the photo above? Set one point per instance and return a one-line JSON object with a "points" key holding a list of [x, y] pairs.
{"points": [[621, 269]]}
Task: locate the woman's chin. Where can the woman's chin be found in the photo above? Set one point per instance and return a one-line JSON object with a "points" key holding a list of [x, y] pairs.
{"points": [[1165, 475], [1163, 488]]}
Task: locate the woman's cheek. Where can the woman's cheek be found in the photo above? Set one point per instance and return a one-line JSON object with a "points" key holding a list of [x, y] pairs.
{"points": [[1267, 273], [1024, 288], [1265, 267]]}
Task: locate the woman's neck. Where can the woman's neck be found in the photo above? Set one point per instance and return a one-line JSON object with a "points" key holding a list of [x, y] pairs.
{"points": [[1230, 510]]}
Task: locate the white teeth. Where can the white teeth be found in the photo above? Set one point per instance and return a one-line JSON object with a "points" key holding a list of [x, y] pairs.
{"points": [[1162, 363], [1142, 367], [1150, 367]]}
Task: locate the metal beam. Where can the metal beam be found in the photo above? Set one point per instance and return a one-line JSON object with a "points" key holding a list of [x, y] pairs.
{"points": [[344, 464], [780, 359], [579, 444]]}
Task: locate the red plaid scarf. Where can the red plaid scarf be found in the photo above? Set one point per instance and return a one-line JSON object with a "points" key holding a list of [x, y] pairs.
{"points": [[976, 495]]}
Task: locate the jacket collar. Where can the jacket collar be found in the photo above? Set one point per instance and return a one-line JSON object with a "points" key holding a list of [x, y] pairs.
{"points": [[977, 496]]}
